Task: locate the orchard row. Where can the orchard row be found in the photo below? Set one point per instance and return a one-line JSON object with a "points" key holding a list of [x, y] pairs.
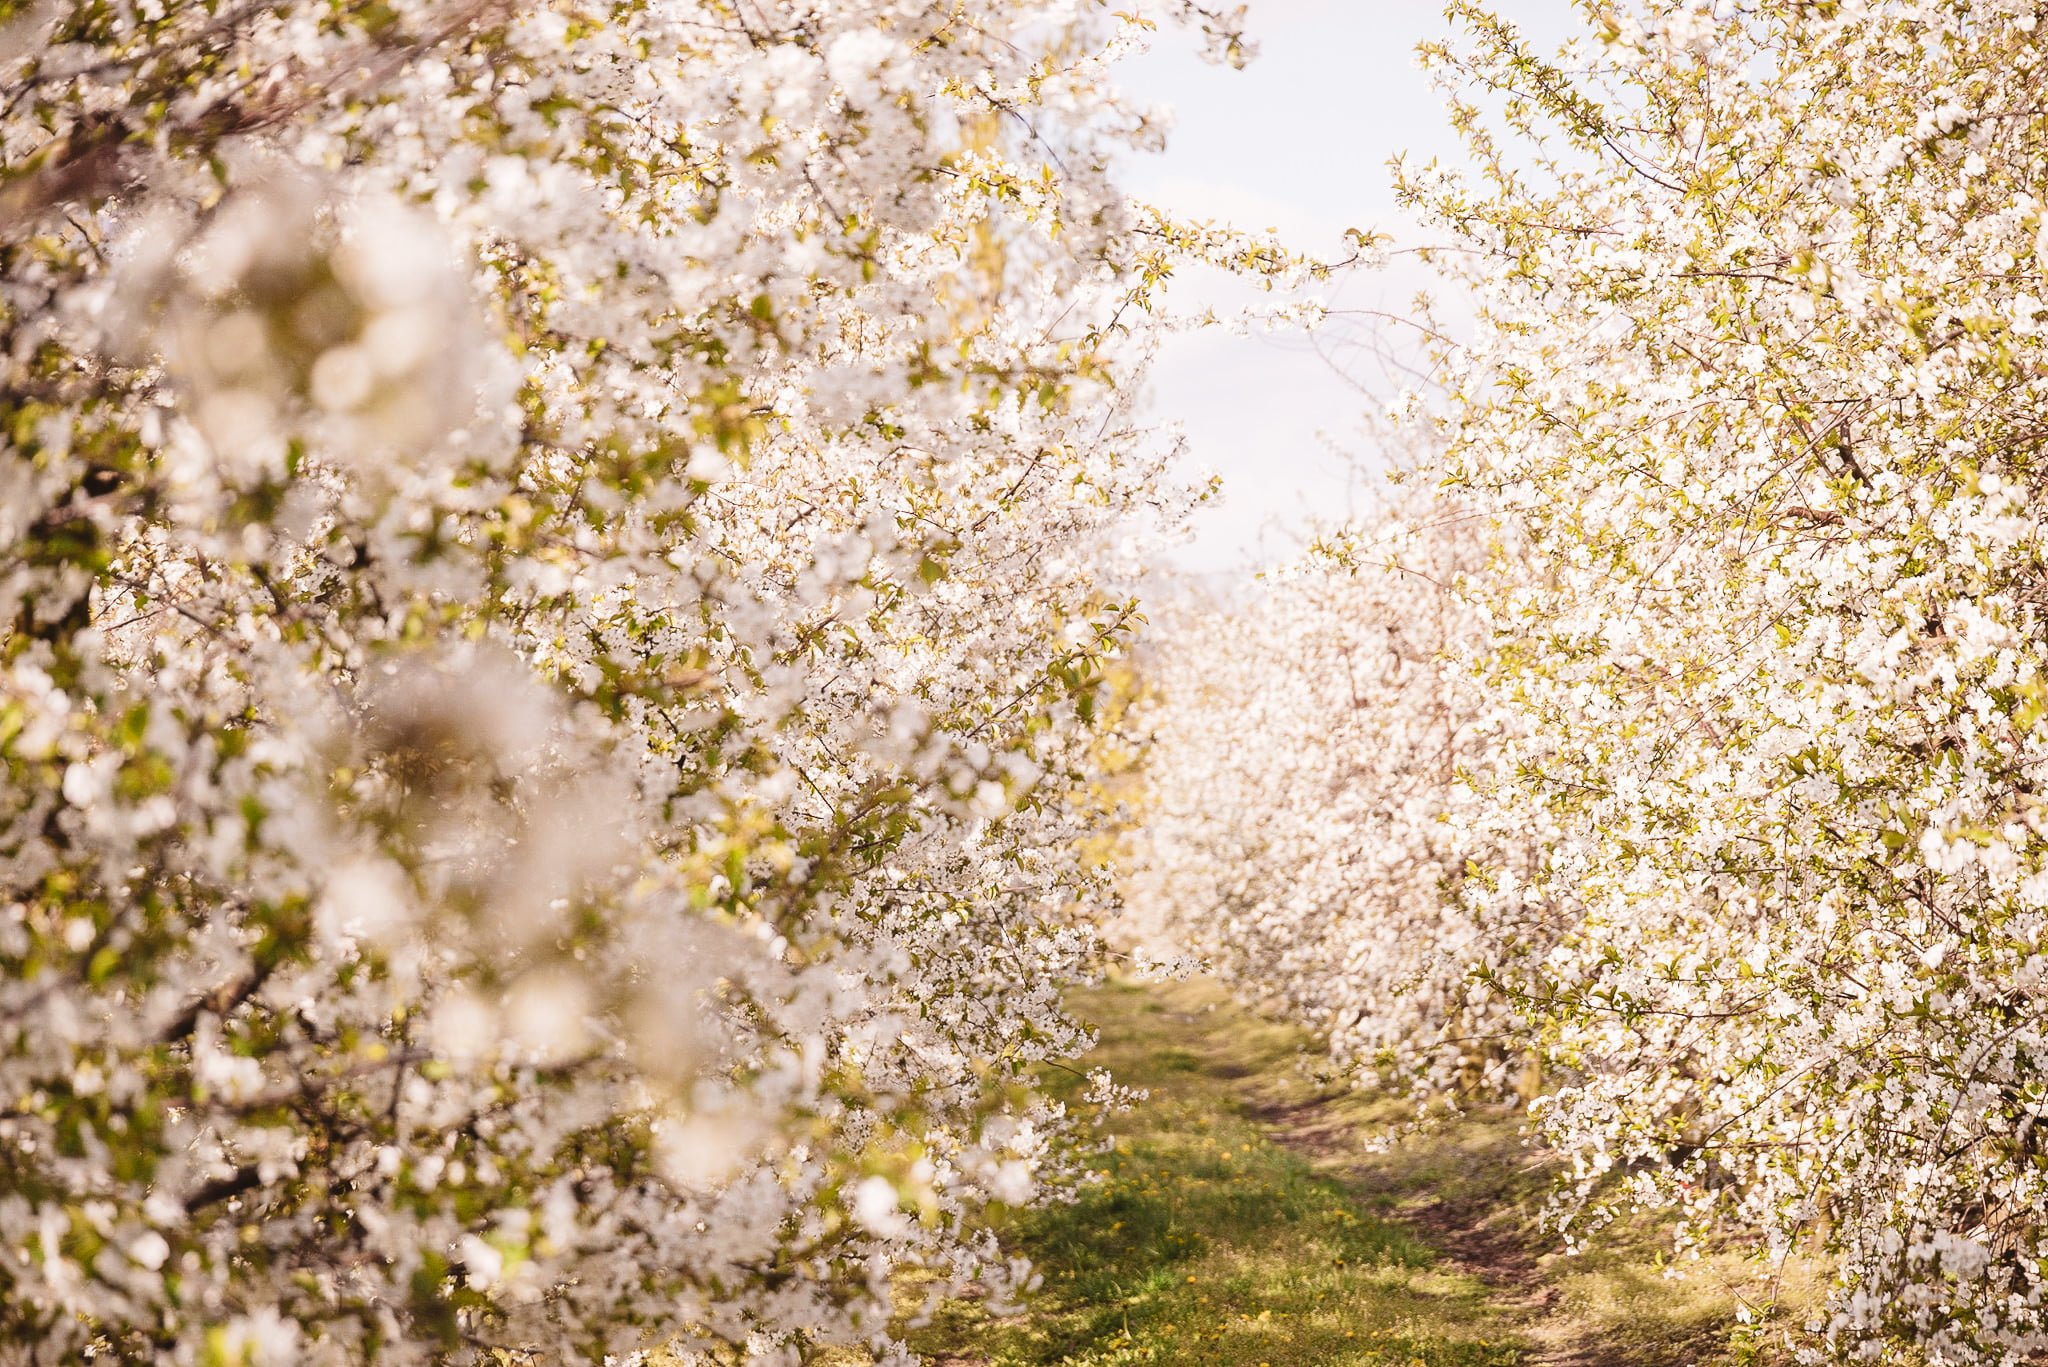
{"points": [[1671, 746]]}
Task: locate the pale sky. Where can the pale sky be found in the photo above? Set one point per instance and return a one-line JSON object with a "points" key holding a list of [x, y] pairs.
{"points": [[1298, 141]]}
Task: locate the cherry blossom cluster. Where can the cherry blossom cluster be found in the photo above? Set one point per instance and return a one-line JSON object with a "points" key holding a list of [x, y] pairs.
{"points": [[553, 560]]}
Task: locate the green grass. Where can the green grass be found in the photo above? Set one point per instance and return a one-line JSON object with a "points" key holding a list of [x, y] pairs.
{"points": [[1205, 1241], [1240, 1218]]}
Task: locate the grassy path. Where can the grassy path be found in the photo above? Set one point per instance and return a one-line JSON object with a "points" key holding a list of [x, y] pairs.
{"points": [[1241, 1220]]}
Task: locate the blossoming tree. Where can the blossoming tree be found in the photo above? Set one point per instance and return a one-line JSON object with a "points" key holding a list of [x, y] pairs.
{"points": [[1760, 383], [549, 555], [1320, 760]]}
